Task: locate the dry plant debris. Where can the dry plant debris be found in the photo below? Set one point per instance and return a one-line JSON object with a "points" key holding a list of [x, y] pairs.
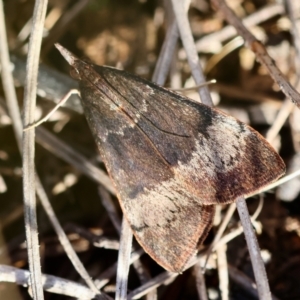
{"points": [[130, 35]]}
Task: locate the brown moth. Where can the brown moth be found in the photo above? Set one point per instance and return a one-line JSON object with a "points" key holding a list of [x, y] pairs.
{"points": [[171, 159]]}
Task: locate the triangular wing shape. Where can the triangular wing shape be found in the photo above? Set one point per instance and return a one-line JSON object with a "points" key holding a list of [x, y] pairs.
{"points": [[170, 158]]}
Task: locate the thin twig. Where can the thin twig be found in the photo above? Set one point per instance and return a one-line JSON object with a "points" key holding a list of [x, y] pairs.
{"points": [[230, 211], [223, 272], [189, 45], [168, 48], [245, 282], [221, 258], [8, 82], [28, 148], [53, 110], [144, 276], [231, 235], [110, 208], [287, 107], [50, 283], [200, 282], [284, 112], [151, 284], [259, 50], [63, 238], [52, 85], [110, 272], [164, 60], [123, 260], [254, 251], [228, 32]]}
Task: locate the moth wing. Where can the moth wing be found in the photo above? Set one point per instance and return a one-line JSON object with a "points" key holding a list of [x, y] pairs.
{"points": [[166, 219], [168, 156], [214, 156]]}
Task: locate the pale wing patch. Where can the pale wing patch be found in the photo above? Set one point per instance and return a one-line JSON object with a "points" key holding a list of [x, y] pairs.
{"points": [[215, 154], [168, 224], [158, 206]]}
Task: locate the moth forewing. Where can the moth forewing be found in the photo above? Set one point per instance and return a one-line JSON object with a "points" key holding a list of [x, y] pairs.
{"points": [[171, 159]]}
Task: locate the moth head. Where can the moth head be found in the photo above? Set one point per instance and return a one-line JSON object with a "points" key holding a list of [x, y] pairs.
{"points": [[75, 63], [74, 72]]}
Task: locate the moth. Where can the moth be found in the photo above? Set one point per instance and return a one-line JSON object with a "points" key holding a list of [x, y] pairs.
{"points": [[171, 159]]}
